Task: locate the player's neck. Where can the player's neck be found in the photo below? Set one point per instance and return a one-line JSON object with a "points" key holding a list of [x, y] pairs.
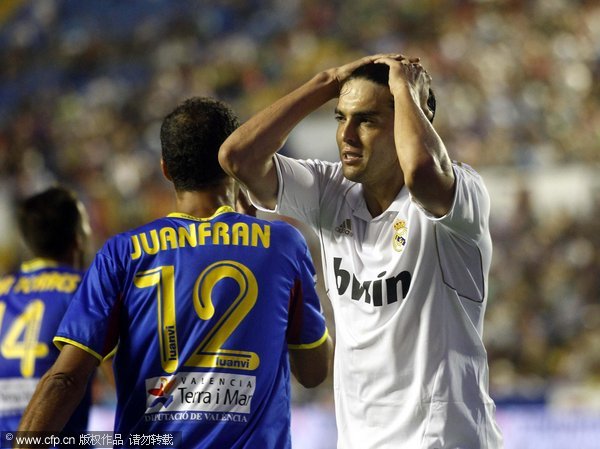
{"points": [[379, 196], [204, 203]]}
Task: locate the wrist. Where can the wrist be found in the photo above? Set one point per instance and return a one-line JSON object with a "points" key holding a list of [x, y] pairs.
{"points": [[328, 82], [400, 88], [402, 92]]}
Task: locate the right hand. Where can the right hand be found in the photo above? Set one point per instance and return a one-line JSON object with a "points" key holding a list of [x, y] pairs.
{"points": [[409, 74]]}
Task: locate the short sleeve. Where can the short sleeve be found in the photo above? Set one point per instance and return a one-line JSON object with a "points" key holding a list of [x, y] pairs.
{"points": [[469, 215], [463, 239], [307, 327], [298, 194], [91, 321]]}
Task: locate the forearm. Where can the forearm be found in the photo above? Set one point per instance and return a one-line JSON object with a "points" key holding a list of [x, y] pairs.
{"points": [[56, 397], [59, 391], [416, 140], [311, 367], [265, 133], [422, 155], [247, 154]]}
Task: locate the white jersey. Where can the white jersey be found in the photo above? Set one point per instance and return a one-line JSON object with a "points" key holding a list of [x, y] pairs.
{"points": [[408, 292]]}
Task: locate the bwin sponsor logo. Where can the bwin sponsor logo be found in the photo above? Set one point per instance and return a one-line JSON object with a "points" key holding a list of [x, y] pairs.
{"points": [[372, 291]]}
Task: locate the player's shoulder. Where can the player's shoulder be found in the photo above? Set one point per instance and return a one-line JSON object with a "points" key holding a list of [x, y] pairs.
{"points": [[326, 168], [465, 169], [331, 170], [155, 225], [468, 175], [4, 277], [121, 241], [279, 229], [7, 280], [283, 226], [289, 233]]}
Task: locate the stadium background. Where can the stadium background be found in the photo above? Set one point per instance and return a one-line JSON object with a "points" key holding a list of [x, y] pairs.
{"points": [[84, 86]]}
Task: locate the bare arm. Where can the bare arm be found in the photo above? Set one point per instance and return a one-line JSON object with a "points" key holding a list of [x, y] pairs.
{"points": [[423, 157], [247, 154], [59, 391], [311, 366]]}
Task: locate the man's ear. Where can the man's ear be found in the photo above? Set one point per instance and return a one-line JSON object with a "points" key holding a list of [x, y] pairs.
{"points": [[164, 169]]}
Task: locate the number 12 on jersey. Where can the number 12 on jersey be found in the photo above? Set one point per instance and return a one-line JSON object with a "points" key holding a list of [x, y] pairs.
{"points": [[209, 353]]}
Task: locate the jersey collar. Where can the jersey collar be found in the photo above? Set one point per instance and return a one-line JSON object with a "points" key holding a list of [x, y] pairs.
{"points": [[37, 264], [219, 211], [356, 200]]}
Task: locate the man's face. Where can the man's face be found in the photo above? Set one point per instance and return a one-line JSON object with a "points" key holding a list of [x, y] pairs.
{"points": [[365, 133]]}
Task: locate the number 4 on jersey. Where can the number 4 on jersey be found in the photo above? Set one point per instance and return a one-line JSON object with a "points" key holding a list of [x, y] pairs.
{"points": [[21, 340]]}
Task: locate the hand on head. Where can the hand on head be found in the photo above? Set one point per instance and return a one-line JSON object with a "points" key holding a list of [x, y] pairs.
{"points": [[341, 73], [405, 73], [409, 73]]}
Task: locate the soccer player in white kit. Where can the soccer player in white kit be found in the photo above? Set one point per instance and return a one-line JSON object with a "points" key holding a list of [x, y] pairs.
{"points": [[406, 253]]}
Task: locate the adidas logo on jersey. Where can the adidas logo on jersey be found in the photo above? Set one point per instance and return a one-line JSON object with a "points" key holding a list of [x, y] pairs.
{"points": [[345, 227]]}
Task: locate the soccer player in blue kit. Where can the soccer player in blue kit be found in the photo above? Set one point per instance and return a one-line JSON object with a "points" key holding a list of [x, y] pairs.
{"points": [[33, 300], [209, 311]]}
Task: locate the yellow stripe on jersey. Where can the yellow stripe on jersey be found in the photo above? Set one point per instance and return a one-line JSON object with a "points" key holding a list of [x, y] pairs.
{"points": [[315, 344], [111, 353], [59, 342], [37, 264], [220, 210]]}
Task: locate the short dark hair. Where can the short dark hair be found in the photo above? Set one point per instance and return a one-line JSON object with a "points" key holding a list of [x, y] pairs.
{"points": [[380, 74], [49, 222], [191, 136]]}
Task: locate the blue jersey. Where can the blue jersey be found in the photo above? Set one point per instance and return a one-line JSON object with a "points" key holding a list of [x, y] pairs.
{"points": [[32, 304], [202, 312]]}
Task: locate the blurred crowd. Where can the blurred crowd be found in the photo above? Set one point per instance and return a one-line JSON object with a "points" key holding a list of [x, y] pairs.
{"points": [[84, 87], [543, 321]]}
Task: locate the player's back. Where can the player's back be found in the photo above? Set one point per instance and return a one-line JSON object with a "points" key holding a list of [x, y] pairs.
{"points": [[206, 309], [32, 303]]}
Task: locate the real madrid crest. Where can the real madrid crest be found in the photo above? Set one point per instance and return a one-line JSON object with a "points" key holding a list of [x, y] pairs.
{"points": [[400, 235]]}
